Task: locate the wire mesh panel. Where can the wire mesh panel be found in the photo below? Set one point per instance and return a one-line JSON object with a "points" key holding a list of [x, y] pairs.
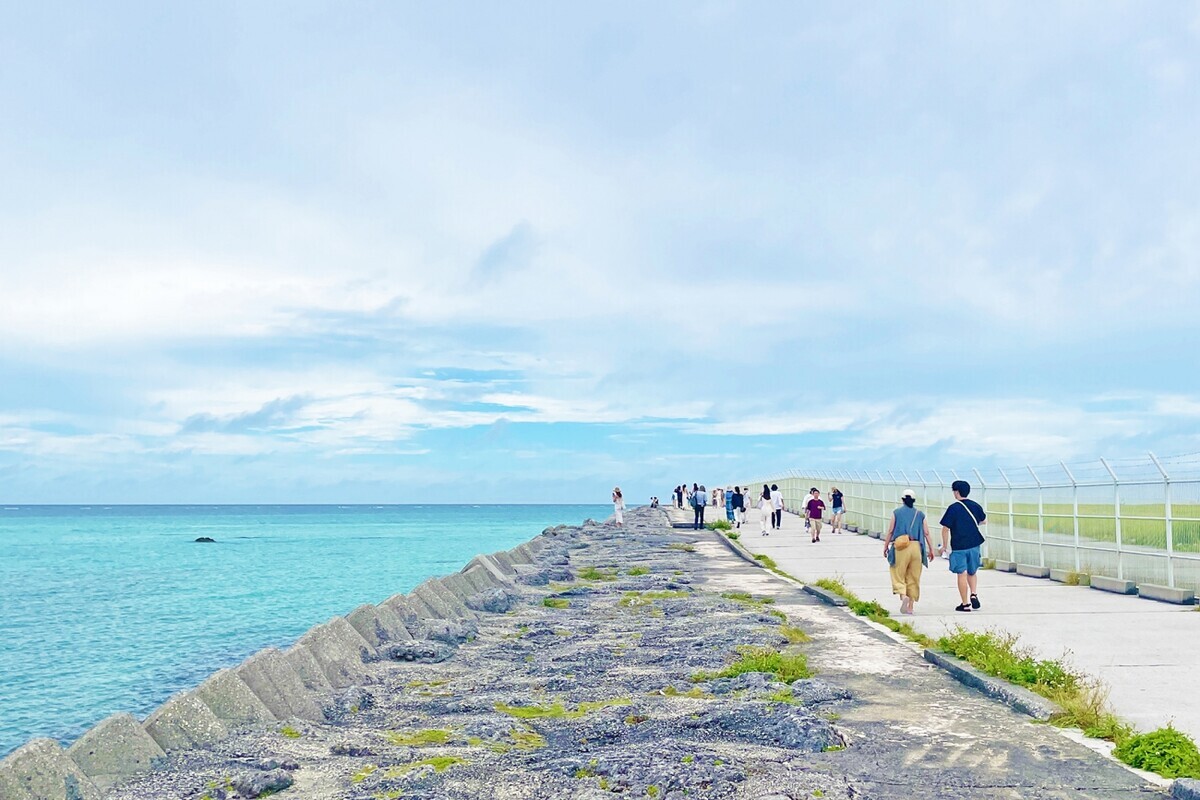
{"points": [[1137, 519]]}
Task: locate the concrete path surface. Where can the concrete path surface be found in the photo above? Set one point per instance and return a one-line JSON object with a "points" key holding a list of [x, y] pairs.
{"points": [[1146, 651]]}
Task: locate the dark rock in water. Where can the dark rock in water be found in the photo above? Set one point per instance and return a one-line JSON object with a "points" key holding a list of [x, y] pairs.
{"points": [[255, 784], [420, 650], [207, 540], [493, 601], [448, 631]]}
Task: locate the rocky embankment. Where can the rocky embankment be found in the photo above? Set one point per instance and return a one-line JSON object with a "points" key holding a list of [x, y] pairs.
{"points": [[593, 661]]}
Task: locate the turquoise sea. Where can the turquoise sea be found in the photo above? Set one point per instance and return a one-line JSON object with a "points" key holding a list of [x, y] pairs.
{"points": [[114, 608]]}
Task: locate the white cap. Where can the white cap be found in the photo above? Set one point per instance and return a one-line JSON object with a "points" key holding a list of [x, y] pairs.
{"points": [[909, 493]]}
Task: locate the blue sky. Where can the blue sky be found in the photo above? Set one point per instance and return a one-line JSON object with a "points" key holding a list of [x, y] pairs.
{"points": [[385, 252]]}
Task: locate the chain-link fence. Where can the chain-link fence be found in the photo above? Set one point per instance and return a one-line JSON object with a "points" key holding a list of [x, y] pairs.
{"points": [[1131, 519]]}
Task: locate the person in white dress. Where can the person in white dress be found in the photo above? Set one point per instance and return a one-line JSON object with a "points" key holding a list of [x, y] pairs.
{"points": [[618, 506], [766, 510]]}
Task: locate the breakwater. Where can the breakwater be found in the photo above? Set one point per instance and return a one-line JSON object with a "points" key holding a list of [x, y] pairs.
{"points": [[591, 660]]}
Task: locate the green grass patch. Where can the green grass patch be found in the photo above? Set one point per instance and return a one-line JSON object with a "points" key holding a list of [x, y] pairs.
{"points": [[1166, 751], [1077, 579], [836, 586], [438, 763], [636, 571], [794, 635], [425, 738], [747, 599], [594, 574], [682, 546], [766, 561], [363, 773], [559, 711], [733, 535], [720, 525], [640, 599], [787, 667], [874, 612], [998, 653], [556, 602], [288, 732], [784, 696], [694, 693]]}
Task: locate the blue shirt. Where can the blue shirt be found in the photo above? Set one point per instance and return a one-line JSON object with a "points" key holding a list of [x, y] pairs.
{"points": [[908, 521], [964, 527]]}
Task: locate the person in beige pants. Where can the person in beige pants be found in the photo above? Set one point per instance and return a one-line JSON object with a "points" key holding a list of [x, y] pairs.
{"points": [[911, 553]]}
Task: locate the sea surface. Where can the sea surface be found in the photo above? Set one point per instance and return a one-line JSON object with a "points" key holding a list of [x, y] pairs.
{"points": [[115, 608]]}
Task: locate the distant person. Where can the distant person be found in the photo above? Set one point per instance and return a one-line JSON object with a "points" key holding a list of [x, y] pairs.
{"points": [[837, 501], [727, 493], [618, 506], [962, 536], [739, 507], [777, 504], [699, 501], [813, 510], [807, 521], [766, 510], [654, 502], [679, 497], [908, 549]]}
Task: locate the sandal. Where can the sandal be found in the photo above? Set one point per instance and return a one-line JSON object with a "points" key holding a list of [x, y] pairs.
{"points": [[974, 601], [963, 607]]}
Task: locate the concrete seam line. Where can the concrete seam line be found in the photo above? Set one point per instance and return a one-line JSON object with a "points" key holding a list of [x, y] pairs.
{"points": [[738, 550]]}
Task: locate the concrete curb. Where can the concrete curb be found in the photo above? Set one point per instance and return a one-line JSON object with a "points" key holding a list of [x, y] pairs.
{"points": [[826, 596], [114, 750], [1012, 696], [1033, 571], [1113, 585], [1185, 789], [738, 550], [1165, 594]]}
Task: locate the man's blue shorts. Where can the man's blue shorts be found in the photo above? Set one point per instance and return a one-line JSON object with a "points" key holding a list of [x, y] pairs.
{"points": [[965, 561]]}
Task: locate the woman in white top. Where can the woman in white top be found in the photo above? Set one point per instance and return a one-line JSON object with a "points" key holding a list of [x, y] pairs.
{"points": [[766, 510], [618, 506]]}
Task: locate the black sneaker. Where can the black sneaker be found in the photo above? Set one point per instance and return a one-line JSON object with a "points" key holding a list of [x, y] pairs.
{"points": [[974, 601]]}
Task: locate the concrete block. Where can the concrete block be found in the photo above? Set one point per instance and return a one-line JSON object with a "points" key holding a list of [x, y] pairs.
{"points": [[41, 770], [852, 528], [1059, 575], [1113, 585], [1011, 695], [114, 751], [452, 601], [1165, 594], [1185, 789], [278, 685], [524, 553], [184, 723], [1031, 571], [232, 700], [537, 544], [498, 575], [459, 586], [339, 650], [825, 596], [305, 665], [1005, 566], [10, 785], [875, 534], [404, 609], [479, 577], [426, 596], [379, 625], [505, 561]]}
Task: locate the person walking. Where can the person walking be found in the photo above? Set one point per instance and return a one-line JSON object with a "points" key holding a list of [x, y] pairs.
{"points": [[739, 507], [766, 510], [908, 549], [618, 506], [812, 510], [679, 496], [699, 501], [962, 536], [777, 504], [837, 501], [727, 498]]}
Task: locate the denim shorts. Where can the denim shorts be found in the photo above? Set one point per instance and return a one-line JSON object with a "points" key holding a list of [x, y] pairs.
{"points": [[965, 561], [837, 510]]}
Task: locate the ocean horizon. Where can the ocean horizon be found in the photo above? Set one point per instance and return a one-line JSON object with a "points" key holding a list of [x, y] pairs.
{"points": [[113, 607]]}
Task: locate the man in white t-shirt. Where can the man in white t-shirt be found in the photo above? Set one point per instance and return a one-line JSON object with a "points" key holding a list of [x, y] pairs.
{"points": [[777, 503]]}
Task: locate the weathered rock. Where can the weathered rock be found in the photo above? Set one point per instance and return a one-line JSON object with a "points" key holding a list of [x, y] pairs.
{"points": [[493, 601], [205, 540], [115, 750], [449, 631], [421, 650], [256, 784]]}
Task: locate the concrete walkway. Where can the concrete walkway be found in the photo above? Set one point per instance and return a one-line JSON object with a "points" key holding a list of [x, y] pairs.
{"points": [[1146, 651]]}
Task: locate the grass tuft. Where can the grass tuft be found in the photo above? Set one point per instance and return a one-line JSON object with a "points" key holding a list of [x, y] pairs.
{"points": [[288, 732], [686, 548], [558, 711], [720, 525], [997, 653], [787, 667], [438, 763], [425, 738], [593, 574], [636, 571], [556, 602], [1077, 579], [794, 635], [1166, 751]]}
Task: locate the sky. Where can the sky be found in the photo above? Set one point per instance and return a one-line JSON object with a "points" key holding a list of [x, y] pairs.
{"points": [[527, 251]]}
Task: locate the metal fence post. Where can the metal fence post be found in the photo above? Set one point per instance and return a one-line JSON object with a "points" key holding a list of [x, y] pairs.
{"points": [[1116, 518], [1074, 510], [1167, 521], [1012, 530], [983, 484], [1041, 519]]}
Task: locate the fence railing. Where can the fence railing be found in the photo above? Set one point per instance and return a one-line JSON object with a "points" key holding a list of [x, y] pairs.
{"points": [[1133, 519]]}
